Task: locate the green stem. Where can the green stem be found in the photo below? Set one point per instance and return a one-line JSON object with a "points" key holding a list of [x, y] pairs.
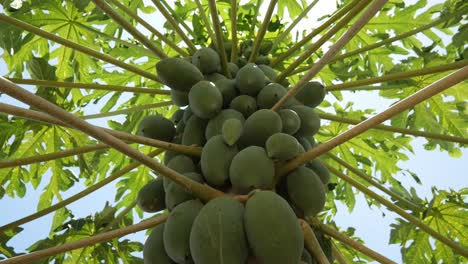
{"points": [[403, 131], [94, 86], [127, 111], [205, 20], [391, 206], [261, 32], [399, 76], [77, 196], [178, 19], [150, 28], [234, 30], [254, 22], [219, 37], [129, 28], [99, 238], [314, 33], [299, 18], [70, 44], [51, 156], [175, 25], [334, 49], [326, 37], [408, 204]]}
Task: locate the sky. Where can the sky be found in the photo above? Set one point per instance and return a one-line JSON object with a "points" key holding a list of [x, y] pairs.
{"points": [[433, 167]]}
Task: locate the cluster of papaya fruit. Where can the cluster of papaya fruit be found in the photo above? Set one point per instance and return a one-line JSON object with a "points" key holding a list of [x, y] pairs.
{"points": [[243, 141]]}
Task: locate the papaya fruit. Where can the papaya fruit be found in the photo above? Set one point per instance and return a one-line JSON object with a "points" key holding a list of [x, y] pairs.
{"points": [[215, 124], [272, 229], [179, 98], [151, 196], [187, 114], [251, 169], [181, 164], [312, 94], [178, 74], [259, 127], [207, 60], [270, 95], [304, 143], [247, 52], [176, 234], [310, 121], [231, 131], [180, 127], [205, 99], [265, 47], [153, 250], [269, 72], [290, 120], [215, 160], [156, 127], [321, 170], [250, 80], [228, 90], [213, 77], [218, 235], [282, 147], [168, 154], [241, 62], [176, 195], [177, 116], [245, 104], [262, 60], [306, 191], [194, 132], [233, 69]]}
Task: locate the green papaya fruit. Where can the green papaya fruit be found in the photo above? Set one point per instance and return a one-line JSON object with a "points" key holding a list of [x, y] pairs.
{"points": [[306, 191], [231, 131], [228, 90], [218, 235], [304, 143], [270, 95], [179, 98], [233, 69], [282, 147], [241, 62], [215, 124], [272, 229], [177, 231], [321, 170], [290, 120], [247, 52], [262, 60], [215, 160], [312, 94], [245, 104], [213, 77], [177, 116], [251, 169], [187, 114], [151, 196], [181, 164], [207, 60], [194, 132], [269, 72], [265, 47], [259, 127], [250, 79], [168, 154], [156, 127], [180, 127], [310, 121], [205, 99], [153, 250], [176, 194], [178, 74]]}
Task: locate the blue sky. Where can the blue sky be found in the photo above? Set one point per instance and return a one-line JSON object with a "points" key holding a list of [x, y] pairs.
{"points": [[434, 168]]}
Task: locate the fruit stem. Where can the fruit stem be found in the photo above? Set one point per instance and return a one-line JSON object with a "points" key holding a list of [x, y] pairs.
{"points": [[107, 9], [234, 40], [99, 238], [337, 254], [312, 34], [42, 117], [301, 16], [94, 86], [399, 76], [326, 37], [77, 196], [407, 204], [127, 111], [150, 28], [175, 25], [261, 32], [348, 241], [70, 44], [312, 244], [363, 126], [347, 36], [403, 131], [219, 37], [205, 20], [392, 207]]}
